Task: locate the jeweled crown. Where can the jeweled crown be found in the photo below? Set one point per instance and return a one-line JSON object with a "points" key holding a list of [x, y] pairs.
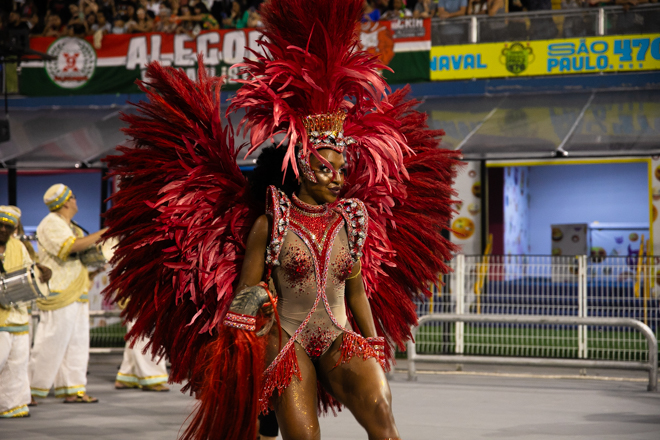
{"points": [[325, 122]]}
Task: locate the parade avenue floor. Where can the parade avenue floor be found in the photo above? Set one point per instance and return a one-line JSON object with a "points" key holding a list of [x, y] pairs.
{"points": [[481, 402]]}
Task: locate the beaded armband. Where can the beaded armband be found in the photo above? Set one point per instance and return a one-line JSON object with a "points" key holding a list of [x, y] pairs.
{"points": [[238, 320], [357, 225], [378, 344], [245, 306]]}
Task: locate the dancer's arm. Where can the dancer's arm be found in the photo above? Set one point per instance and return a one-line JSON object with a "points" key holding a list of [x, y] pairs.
{"points": [[252, 271], [357, 300]]}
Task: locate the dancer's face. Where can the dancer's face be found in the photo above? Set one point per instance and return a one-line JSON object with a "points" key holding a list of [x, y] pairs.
{"points": [[329, 184]]}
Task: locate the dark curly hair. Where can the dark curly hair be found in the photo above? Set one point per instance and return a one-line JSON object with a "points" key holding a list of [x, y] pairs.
{"points": [[269, 172]]}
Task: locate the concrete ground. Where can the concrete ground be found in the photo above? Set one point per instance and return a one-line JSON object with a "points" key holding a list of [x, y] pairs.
{"points": [[482, 402]]}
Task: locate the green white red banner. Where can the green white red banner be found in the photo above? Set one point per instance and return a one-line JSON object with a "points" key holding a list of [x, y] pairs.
{"points": [[113, 65]]}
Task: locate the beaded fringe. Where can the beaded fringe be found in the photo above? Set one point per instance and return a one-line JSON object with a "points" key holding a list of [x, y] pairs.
{"points": [[279, 377], [353, 344]]}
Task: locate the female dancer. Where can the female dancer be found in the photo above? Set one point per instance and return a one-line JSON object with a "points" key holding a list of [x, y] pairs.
{"points": [[348, 249], [317, 278]]}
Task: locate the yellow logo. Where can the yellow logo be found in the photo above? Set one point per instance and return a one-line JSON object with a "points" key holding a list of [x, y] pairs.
{"points": [[517, 57]]}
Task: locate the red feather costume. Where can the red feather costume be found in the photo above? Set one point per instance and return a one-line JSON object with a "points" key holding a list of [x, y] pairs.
{"points": [[184, 210]]}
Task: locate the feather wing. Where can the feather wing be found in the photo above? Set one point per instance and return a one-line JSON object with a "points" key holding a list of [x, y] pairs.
{"points": [[182, 214], [405, 250]]}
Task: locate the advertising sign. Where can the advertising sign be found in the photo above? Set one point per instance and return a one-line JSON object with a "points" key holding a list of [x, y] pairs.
{"points": [[619, 53]]}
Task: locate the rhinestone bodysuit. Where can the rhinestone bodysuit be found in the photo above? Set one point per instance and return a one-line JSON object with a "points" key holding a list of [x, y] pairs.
{"points": [[314, 264], [311, 252]]}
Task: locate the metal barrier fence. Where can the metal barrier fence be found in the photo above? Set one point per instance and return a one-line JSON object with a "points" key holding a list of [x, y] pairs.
{"points": [[543, 286], [650, 365], [546, 25]]}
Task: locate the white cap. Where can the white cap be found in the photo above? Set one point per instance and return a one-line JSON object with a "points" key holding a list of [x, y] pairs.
{"points": [[56, 196]]}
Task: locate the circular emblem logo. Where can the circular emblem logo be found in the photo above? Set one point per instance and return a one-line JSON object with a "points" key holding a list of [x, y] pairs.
{"points": [[517, 57], [74, 64]]}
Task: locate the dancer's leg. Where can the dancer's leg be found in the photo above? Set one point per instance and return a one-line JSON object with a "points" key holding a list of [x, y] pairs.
{"points": [[296, 406], [362, 387]]}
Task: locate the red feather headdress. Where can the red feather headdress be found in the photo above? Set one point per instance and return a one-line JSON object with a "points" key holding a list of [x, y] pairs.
{"points": [[312, 77]]}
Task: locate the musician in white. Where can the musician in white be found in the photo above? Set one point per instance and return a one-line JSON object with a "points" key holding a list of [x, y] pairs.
{"points": [[14, 337], [139, 369], [61, 346]]}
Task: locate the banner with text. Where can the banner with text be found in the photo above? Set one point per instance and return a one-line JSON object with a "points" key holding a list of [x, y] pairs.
{"points": [[619, 53], [81, 68], [403, 45]]}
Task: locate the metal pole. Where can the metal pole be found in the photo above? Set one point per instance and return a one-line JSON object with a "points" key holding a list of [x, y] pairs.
{"points": [[412, 355], [485, 190], [104, 195], [474, 29], [601, 21], [582, 305], [12, 184], [461, 277]]}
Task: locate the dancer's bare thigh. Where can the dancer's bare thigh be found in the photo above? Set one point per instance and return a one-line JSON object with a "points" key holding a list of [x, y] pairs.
{"points": [[296, 406], [362, 387]]}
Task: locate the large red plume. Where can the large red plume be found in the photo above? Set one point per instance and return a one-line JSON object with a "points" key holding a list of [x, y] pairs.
{"points": [[313, 65], [405, 251], [183, 214]]}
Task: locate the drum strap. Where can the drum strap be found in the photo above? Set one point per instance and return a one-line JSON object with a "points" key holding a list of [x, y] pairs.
{"points": [[78, 226], [76, 255]]}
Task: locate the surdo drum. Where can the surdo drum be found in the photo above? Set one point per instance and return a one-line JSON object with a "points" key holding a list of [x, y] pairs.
{"points": [[22, 285]]}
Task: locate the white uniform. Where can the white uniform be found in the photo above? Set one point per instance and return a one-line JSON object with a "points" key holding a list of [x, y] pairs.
{"points": [[61, 346], [138, 369], [14, 343]]}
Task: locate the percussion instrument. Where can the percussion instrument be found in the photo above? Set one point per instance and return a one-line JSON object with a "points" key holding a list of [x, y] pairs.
{"points": [[98, 255], [93, 257], [108, 248], [22, 285]]}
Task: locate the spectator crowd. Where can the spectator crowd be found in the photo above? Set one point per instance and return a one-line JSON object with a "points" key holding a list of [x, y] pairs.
{"points": [[55, 18]]}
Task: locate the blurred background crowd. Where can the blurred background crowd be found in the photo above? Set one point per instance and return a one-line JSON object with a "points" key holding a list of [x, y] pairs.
{"points": [[54, 18]]}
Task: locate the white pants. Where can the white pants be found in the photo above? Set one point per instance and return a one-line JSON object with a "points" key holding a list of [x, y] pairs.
{"points": [[14, 385], [138, 369], [61, 351]]}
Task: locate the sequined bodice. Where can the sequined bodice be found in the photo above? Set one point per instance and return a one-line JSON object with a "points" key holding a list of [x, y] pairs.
{"points": [[310, 279]]}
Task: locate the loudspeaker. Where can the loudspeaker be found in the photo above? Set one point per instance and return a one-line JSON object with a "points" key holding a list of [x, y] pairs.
{"points": [[4, 130]]}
